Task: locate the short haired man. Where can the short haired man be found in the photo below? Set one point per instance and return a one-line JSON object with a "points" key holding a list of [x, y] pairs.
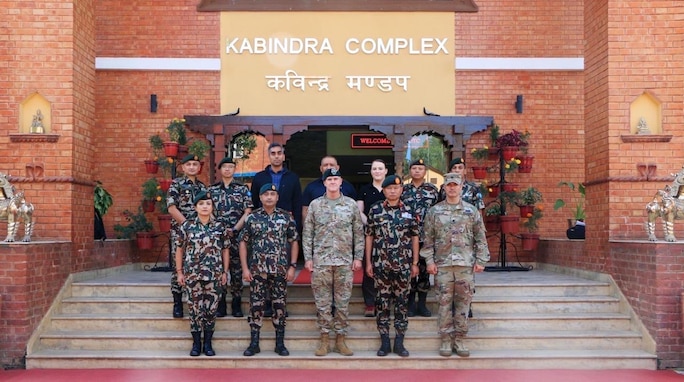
{"points": [[316, 188], [471, 192]]}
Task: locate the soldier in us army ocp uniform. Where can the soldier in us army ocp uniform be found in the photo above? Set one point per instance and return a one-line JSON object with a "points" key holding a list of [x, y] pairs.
{"points": [[201, 260], [232, 204], [332, 243], [179, 202], [419, 195], [392, 253], [268, 266]]}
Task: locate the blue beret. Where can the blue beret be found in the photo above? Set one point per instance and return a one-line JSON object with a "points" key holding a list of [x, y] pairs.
{"points": [[331, 172], [456, 161], [417, 162], [226, 160], [268, 187], [390, 180], [188, 158], [202, 195]]}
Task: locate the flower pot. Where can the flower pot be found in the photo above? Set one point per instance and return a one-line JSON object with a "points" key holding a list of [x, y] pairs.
{"points": [[165, 184], [509, 224], [510, 187], [491, 223], [151, 166], [526, 211], [164, 222], [148, 205], [479, 172], [182, 151], [144, 240], [493, 153], [530, 241], [509, 152], [171, 149], [525, 165], [494, 191]]}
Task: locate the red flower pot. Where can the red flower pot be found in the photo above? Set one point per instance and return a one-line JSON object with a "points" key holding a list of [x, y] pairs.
{"points": [[171, 149], [151, 166], [164, 222], [479, 172], [494, 191], [148, 205], [491, 223], [509, 224], [509, 152], [144, 240], [182, 151], [493, 153], [530, 241], [526, 211], [525, 165], [510, 187], [165, 184]]}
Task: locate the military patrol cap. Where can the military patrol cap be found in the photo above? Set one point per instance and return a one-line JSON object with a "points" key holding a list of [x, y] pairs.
{"points": [[226, 160], [268, 187], [453, 177], [188, 158], [331, 172], [456, 161], [202, 195], [417, 162], [390, 180]]}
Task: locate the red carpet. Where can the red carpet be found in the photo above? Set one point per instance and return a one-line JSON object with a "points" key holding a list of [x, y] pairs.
{"points": [[304, 277]]}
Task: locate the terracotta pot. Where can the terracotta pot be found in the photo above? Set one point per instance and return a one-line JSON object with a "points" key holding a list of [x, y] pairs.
{"points": [[479, 172], [525, 165], [526, 211], [182, 151], [164, 222], [144, 240], [151, 166], [509, 224], [148, 205], [530, 241], [165, 184], [493, 153], [491, 223], [510, 187], [171, 149], [509, 152], [494, 191]]}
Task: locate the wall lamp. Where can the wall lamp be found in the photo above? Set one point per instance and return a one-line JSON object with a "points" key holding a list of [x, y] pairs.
{"points": [[153, 103], [519, 104]]}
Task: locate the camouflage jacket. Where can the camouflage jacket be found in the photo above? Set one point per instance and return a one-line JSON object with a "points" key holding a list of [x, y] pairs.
{"points": [[202, 248], [333, 232], [470, 193], [454, 235], [180, 194], [420, 199], [267, 237], [392, 228], [230, 202]]}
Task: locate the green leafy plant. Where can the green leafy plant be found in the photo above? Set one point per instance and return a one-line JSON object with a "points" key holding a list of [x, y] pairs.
{"points": [[480, 155], [512, 165], [578, 212], [514, 138], [176, 131], [531, 222], [244, 145], [137, 222], [166, 164], [198, 148], [102, 198], [528, 197], [151, 189], [494, 134], [161, 202], [525, 137], [493, 209], [157, 145]]}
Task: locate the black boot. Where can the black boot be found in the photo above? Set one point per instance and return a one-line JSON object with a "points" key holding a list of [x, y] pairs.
{"points": [[177, 305], [253, 344], [268, 308], [196, 344], [221, 310], [236, 306], [280, 348], [385, 347], [422, 307], [411, 304], [208, 350], [399, 346]]}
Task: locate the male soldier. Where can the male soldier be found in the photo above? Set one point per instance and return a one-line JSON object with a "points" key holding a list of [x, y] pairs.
{"points": [[392, 260], [419, 195], [316, 188], [179, 202], [289, 191], [333, 248], [232, 204], [268, 231], [455, 246]]}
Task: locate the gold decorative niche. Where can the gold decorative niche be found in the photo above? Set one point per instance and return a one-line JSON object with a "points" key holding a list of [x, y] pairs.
{"points": [[35, 120], [646, 120]]}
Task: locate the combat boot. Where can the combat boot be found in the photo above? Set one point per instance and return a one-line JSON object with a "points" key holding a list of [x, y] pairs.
{"points": [[208, 349], [253, 344], [196, 344], [460, 349], [341, 346], [323, 346], [445, 349], [236, 306], [422, 307], [411, 304], [221, 310], [399, 346], [384, 345], [177, 305], [280, 348], [268, 308]]}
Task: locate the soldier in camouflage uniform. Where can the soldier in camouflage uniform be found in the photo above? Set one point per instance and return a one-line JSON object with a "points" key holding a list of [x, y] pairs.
{"points": [[268, 232], [232, 203], [455, 246], [333, 248], [201, 259], [179, 202], [419, 195], [392, 253], [471, 192]]}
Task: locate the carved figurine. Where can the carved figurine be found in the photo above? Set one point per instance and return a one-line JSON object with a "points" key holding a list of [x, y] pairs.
{"points": [[37, 124], [667, 204], [642, 127], [15, 209]]}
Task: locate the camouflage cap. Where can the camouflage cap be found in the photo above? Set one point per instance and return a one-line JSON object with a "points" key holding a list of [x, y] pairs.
{"points": [[452, 177]]}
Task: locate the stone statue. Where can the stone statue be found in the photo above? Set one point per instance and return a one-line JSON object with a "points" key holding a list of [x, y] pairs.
{"points": [[667, 204], [642, 127], [37, 124], [15, 209]]}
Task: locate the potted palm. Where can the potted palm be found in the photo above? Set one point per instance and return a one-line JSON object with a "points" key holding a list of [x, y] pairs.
{"points": [[578, 213], [526, 199], [138, 227], [530, 239]]}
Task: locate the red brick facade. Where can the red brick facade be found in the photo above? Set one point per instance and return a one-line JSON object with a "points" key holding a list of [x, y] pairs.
{"points": [[576, 119]]}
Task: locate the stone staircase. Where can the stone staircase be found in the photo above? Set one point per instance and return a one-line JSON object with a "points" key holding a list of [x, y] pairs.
{"points": [[523, 320]]}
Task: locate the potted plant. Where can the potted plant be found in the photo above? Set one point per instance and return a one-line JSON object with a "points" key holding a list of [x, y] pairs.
{"points": [[510, 143], [138, 227], [480, 155], [103, 201], [198, 148], [491, 218], [512, 165], [150, 191], [494, 133], [157, 145], [530, 239], [164, 218], [578, 213], [166, 165], [177, 137], [526, 199], [526, 160]]}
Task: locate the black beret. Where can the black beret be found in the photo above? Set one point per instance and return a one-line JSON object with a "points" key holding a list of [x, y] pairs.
{"points": [[417, 162], [188, 158], [390, 180], [268, 187], [331, 172], [202, 195], [226, 160], [456, 161]]}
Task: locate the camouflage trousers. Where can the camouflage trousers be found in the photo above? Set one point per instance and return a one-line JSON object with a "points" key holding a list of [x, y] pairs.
{"points": [[262, 286], [392, 286], [332, 283], [175, 286], [235, 269], [454, 284], [203, 297], [421, 283]]}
